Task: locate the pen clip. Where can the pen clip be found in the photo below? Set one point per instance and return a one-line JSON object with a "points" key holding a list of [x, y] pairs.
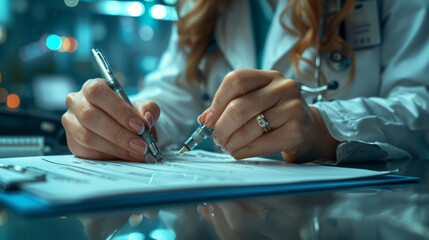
{"points": [[106, 64]]}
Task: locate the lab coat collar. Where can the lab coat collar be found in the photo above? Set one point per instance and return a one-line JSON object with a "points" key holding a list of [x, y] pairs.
{"points": [[234, 36], [278, 42]]}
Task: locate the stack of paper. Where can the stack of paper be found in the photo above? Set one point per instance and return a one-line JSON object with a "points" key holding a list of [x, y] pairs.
{"points": [[71, 179]]}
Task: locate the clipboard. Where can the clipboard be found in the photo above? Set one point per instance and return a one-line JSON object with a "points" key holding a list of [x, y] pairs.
{"points": [[30, 206], [12, 176]]}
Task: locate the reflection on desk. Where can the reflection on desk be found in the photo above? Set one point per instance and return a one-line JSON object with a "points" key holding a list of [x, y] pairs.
{"points": [[394, 212]]}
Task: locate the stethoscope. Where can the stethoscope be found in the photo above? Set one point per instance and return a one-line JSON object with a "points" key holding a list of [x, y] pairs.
{"points": [[336, 61]]}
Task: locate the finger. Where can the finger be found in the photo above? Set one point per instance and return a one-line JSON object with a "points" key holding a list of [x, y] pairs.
{"points": [[285, 138], [202, 118], [288, 158], [236, 216], [98, 93], [221, 224], [97, 121], [241, 110], [148, 111], [83, 152], [151, 213], [235, 84], [275, 116], [83, 141], [204, 211]]}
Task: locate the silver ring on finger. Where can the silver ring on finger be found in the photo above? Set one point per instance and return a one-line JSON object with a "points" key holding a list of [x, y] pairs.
{"points": [[263, 123]]}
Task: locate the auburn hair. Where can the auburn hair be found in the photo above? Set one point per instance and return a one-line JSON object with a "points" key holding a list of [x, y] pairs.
{"points": [[196, 31]]}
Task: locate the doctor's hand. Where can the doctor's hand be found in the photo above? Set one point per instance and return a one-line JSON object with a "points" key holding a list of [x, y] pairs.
{"points": [[294, 129], [265, 219], [100, 125]]}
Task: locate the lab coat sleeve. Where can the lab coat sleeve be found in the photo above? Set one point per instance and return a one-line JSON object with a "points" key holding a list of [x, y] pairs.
{"points": [[395, 124], [180, 103]]}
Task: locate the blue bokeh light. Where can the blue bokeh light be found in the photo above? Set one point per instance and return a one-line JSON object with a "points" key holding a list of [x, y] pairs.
{"points": [[53, 42], [158, 11], [135, 9], [163, 234], [121, 8]]}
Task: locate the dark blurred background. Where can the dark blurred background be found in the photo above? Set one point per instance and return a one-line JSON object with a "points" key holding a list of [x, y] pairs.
{"points": [[45, 53], [45, 46]]}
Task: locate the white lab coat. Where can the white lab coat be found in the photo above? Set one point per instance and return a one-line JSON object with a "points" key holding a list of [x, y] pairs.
{"points": [[383, 115]]}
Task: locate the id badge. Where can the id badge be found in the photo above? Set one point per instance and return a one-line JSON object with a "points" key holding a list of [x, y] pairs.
{"points": [[363, 25]]}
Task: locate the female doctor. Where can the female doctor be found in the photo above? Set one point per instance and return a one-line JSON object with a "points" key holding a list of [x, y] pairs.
{"points": [[370, 59]]}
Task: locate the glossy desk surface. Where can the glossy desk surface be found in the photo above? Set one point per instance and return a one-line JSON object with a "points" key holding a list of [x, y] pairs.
{"points": [[378, 212]]}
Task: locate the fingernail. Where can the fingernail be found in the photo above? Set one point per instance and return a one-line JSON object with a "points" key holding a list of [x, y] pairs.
{"points": [[199, 120], [212, 210], [136, 125], [226, 148], [138, 145], [201, 208], [216, 141], [148, 116], [209, 119]]}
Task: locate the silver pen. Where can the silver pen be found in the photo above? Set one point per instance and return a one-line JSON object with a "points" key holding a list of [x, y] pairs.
{"points": [[108, 74], [197, 137]]}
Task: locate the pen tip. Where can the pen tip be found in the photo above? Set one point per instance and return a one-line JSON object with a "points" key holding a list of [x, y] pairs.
{"points": [[182, 151], [158, 158]]}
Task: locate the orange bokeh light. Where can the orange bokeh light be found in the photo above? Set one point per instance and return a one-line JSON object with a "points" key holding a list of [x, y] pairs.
{"points": [[13, 101], [70, 44]]}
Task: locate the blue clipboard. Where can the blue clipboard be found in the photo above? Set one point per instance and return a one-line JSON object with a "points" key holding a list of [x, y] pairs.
{"points": [[31, 206]]}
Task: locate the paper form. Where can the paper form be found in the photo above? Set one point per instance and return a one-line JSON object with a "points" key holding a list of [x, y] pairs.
{"points": [[71, 179]]}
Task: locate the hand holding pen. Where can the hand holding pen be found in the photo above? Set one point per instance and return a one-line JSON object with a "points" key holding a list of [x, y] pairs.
{"points": [[257, 112], [99, 124]]}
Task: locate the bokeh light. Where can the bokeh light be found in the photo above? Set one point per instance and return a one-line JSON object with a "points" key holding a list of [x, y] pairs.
{"points": [[3, 95], [135, 9], [111, 7], [70, 44], [20, 6], [99, 30], [71, 3], [13, 101], [33, 50], [61, 48], [158, 11], [136, 236], [53, 42], [135, 219], [3, 218], [148, 63], [146, 33], [167, 234], [3, 34], [171, 2]]}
